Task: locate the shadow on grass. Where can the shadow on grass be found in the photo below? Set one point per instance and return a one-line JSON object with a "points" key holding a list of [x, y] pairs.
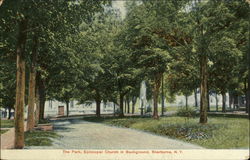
{"points": [[104, 118], [40, 138], [63, 127], [214, 115]]}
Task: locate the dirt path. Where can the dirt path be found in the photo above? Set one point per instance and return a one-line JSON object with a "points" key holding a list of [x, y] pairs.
{"points": [[7, 139], [86, 135]]}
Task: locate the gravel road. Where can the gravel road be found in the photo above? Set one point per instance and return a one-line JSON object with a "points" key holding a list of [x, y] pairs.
{"points": [[78, 134]]}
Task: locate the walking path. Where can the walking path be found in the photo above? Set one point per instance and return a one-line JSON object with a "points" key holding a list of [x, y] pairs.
{"points": [[78, 134], [7, 139]]}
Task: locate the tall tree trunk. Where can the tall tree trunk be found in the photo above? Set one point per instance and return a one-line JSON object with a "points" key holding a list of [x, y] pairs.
{"points": [[133, 104], [248, 94], [162, 95], [37, 101], [1, 2], [41, 107], [248, 88], [142, 106], [157, 85], [114, 107], [20, 85], [32, 84], [67, 108], [208, 101], [236, 102], [98, 107], [223, 102], [195, 98], [5, 113], [203, 95], [121, 114], [31, 101], [41, 100], [216, 102], [9, 110], [230, 100], [128, 105], [125, 107], [186, 97]]}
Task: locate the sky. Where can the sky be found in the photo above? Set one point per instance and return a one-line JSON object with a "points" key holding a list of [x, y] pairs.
{"points": [[121, 6]]}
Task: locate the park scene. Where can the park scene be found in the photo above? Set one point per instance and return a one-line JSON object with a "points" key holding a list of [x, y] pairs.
{"points": [[142, 74]]}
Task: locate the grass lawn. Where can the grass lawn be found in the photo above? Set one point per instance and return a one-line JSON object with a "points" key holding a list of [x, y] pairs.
{"points": [[167, 108], [219, 133], [3, 131], [7, 123], [40, 138]]}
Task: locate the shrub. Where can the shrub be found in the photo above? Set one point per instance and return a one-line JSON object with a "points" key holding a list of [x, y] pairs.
{"points": [[164, 109], [117, 111], [188, 131], [122, 122], [44, 121], [186, 112], [148, 109]]}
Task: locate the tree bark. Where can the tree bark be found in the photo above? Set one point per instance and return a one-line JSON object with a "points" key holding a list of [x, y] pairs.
{"points": [[125, 107], [20, 85], [42, 100], [230, 100], [37, 101], [1, 2], [32, 84], [236, 102], [67, 108], [133, 104], [162, 96], [223, 102], [98, 107], [9, 110], [157, 85], [121, 114], [114, 107], [203, 95], [31, 102], [128, 105], [142, 106], [216, 102], [248, 94], [195, 97], [186, 97], [208, 100], [248, 88]]}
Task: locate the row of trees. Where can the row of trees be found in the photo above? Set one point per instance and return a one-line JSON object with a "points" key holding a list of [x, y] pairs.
{"points": [[195, 44], [84, 50], [33, 33]]}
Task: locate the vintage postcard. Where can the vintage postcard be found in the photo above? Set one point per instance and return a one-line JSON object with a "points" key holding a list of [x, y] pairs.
{"points": [[124, 79]]}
